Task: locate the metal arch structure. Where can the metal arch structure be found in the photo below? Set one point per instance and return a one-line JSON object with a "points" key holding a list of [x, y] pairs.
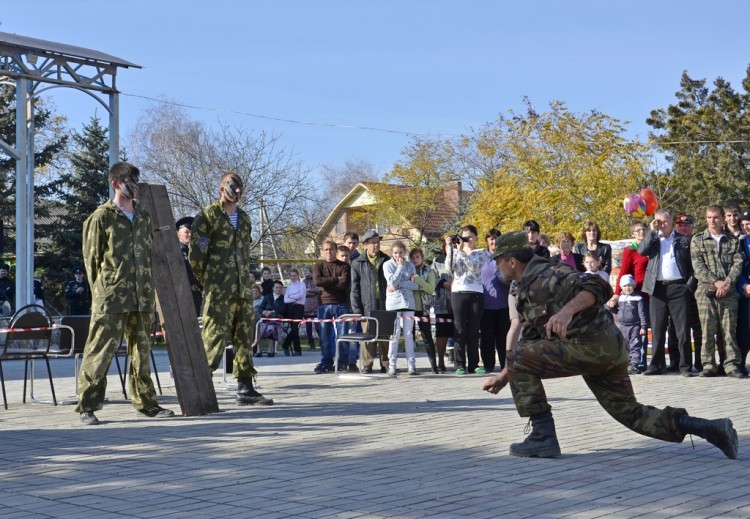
{"points": [[35, 66]]}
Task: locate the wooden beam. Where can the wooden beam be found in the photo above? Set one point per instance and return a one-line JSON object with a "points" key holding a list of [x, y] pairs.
{"points": [[192, 376]]}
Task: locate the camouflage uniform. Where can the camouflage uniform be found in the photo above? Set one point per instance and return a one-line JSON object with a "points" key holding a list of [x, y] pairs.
{"points": [[220, 258], [117, 256], [594, 348], [717, 315]]}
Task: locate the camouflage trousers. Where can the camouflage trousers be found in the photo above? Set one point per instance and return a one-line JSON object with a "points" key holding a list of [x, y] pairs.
{"points": [[105, 333], [229, 321], [719, 316], [602, 360]]}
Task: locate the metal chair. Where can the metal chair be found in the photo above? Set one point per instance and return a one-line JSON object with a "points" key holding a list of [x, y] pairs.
{"points": [[122, 350], [71, 338], [376, 325], [32, 327]]}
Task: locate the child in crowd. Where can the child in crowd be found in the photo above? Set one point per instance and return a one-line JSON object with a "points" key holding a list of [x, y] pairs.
{"points": [[632, 320], [399, 297], [592, 263], [343, 253], [266, 285]]}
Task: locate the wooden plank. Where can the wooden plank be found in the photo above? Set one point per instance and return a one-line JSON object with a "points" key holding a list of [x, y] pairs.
{"points": [[192, 376]]}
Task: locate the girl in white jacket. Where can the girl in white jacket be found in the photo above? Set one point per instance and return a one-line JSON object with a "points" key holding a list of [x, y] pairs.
{"points": [[399, 297]]}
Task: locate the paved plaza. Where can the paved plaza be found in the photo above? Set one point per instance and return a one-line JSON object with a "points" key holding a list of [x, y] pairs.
{"points": [[347, 447]]}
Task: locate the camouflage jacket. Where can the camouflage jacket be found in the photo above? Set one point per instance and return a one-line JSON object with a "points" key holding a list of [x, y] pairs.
{"points": [[117, 256], [545, 288], [220, 255], [710, 265]]}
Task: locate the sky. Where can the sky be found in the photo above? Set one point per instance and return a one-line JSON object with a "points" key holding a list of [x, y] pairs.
{"points": [[432, 68]]}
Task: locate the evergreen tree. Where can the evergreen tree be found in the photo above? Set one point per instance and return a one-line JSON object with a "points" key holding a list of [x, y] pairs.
{"points": [[704, 137], [84, 188]]}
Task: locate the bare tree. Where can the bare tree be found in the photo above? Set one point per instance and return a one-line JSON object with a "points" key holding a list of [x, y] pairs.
{"points": [[339, 180], [189, 158]]}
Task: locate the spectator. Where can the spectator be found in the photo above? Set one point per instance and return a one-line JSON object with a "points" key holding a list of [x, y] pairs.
{"points": [[119, 233], [717, 265], [423, 301], [531, 228], [368, 293], [78, 294], [667, 274], [732, 218], [294, 298], [311, 306], [351, 240], [184, 232], [592, 263], [274, 307], [634, 264], [7, 291], [399, 297], [567, 256], [591, 235], [495, 317], [266, 283], [220, 258], [743, 289], [444, 329], [467, 298], [348, 351], [332, 277], [631, 320], [683, 224]]}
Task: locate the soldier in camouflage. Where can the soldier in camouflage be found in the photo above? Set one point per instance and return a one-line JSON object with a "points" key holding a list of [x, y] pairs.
{"points": [[717, 264], [220, 258], [566, 332], [117, 255]]}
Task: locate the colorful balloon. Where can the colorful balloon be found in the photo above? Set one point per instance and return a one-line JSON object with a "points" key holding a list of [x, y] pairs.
{"points": [[635, 206], [652, 203]]}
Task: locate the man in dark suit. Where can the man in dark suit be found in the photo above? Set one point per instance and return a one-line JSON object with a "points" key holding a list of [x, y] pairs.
{"points": [[667, 274]]}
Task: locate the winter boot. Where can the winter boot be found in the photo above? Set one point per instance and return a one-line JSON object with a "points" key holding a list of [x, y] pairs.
{"points": [[542, 442], [247, 395], [719, 432], [429, 348]]}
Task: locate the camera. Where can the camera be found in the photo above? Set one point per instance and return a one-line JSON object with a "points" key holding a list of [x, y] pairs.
{"points": [[456, 239]]}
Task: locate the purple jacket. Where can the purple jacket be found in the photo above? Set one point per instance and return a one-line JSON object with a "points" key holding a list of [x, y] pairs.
{"points": [[495, 290]]}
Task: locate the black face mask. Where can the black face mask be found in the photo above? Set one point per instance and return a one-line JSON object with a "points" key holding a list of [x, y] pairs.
{"points": [[233, 188]]}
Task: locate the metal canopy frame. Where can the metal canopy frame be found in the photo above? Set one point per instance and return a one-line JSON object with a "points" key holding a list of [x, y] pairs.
{"points": [[35, 66]]}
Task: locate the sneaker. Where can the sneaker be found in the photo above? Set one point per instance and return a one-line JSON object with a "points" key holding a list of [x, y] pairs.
{"points": [[352, 368], [89, 418], [258, 354], [366, 370], [413, 371], [480, 371], [460, 371], [252, 397], [156, 412], [633, 371], [737, 373], [322, 368], [392, 371]]}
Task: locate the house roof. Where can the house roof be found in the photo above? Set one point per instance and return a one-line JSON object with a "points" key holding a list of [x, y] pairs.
{"points": [[444, 212]]}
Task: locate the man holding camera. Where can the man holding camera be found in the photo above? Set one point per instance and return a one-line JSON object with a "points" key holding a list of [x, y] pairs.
{"points": [[717, 265]]}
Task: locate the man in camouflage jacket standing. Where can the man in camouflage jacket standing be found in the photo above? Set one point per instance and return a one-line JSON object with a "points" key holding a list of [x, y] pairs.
{"points": [[220, 258], [566, 332], [117, 255]]}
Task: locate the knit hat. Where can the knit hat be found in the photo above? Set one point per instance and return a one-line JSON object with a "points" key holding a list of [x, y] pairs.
{"points": [[626, 280]]}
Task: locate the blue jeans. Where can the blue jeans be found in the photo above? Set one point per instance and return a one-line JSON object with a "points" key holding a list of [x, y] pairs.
{"points": [[327, 333]]}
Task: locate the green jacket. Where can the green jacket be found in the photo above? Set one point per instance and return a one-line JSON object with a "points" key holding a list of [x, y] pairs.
{"points": [[709, 265], [117, 256], [545, 288], [220, 255]]}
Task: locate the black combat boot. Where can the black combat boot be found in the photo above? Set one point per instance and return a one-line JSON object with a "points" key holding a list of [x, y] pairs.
{"points": [[247, 395], [719, 432], [542, 442]]}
